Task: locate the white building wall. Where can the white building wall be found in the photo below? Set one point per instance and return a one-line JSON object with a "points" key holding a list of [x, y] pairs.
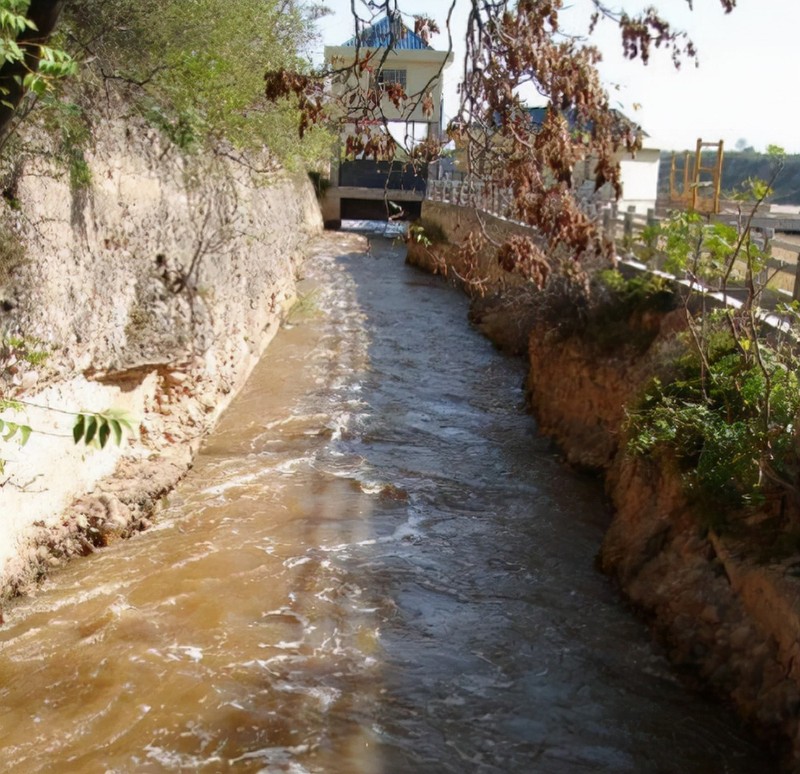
{"points": [[639, 180], [423, 73]]}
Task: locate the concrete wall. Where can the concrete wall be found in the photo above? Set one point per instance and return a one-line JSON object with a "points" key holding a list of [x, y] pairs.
{"points": [[458, 223]]}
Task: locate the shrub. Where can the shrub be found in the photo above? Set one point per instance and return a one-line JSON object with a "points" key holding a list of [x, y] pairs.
{"points": [[729, 414]]}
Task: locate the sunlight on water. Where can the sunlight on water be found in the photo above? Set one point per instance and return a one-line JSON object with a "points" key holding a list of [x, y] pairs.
{"points": [[376, 228]]}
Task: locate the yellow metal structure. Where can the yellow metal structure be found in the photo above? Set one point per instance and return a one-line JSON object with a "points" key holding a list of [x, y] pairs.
{"points": [[699, 188]]}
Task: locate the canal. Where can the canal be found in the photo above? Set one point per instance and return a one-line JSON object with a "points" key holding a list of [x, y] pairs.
{"points": [[375, 567]]}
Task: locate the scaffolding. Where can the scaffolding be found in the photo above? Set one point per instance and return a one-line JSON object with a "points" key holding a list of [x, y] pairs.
{"points": [[695, 184]]}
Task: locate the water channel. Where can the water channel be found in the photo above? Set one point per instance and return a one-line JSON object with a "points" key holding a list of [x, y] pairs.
{"points": [[375, 567]]}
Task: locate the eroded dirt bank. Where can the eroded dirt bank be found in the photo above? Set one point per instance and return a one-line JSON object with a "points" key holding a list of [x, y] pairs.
{"points": [[727, 614], [152, 285]]}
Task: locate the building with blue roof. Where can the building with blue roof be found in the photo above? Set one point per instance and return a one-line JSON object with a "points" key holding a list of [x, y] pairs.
{"points": [[394, 54], [369, 70], [389, 33]]}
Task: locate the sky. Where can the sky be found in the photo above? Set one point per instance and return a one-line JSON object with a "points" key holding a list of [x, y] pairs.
{"points": [[747, 87]]}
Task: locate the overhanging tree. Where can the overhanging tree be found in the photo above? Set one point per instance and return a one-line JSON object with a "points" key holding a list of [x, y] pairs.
{"points": [[26, 61], [510, 47]]}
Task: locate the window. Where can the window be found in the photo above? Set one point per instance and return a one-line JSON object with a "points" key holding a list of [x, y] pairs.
{"points": [[387, 77]]}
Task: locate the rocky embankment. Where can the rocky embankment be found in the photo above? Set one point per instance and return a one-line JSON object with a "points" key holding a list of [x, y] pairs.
{"points": [[151, 283], [726, 613]]}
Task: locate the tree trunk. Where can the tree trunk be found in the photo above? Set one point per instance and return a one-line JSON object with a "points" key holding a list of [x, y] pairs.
{"points": [[44, 14]]}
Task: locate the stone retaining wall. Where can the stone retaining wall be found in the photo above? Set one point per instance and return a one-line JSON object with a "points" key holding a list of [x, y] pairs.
{"points": [[155, 289]]}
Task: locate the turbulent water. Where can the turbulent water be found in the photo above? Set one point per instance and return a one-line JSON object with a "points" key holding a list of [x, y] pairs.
{"points": [[375, 567]]}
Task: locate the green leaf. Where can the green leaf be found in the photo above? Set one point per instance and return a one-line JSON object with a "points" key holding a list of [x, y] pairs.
{"points": [[91, 429], [78, 428], [103, 433], [776, 152], [35, 83], [25, 434], [102, 426], [116, 429]]}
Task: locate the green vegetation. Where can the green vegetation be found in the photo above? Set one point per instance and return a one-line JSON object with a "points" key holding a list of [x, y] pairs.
{"points": [[74, 129], [12, 253], [90, 428], [620, 306], [727, 415], [193, 70], [27, 67], [197, 71], [100, 427], [305, 307], [18, 355], [427, 233]]}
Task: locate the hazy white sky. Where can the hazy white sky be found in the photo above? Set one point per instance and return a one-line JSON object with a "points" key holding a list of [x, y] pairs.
{"points": [[747, 85]]}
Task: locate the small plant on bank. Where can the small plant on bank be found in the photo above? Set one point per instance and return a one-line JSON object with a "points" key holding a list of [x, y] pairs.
{"points": [[605, 307], [39, 72], [617, 298], [69, 123], [320, 182], [90, 428], [101, 427], [202, 84], [17, 356], [726, 419], [306, 306], [427, 233]]}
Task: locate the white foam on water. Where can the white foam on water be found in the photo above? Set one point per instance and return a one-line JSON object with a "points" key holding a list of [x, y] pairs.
{"points": [[323, 595], [43, 603], [209, 550], [296, 561], [182, 652], [294, 418], [386, 228], [342, 548], [343, 470], [276, 756], [405, 531], [338, 424], [283, 645], [287, 612], [325, 695], [257, 662], [290, 466], [234, 482], [178, 761]]}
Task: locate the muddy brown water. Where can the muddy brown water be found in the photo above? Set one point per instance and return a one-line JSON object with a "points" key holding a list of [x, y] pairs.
{"points": [[375, 567]]}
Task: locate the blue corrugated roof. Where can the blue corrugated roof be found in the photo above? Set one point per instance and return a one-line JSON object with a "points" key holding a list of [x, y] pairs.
{"points": [[538, 114], [388, 32]]}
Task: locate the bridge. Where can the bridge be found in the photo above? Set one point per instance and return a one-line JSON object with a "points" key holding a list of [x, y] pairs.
{"points": [[364, 189]]}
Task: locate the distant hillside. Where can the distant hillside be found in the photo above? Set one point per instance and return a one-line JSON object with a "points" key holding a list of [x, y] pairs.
{"points": [[739, 166]]}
